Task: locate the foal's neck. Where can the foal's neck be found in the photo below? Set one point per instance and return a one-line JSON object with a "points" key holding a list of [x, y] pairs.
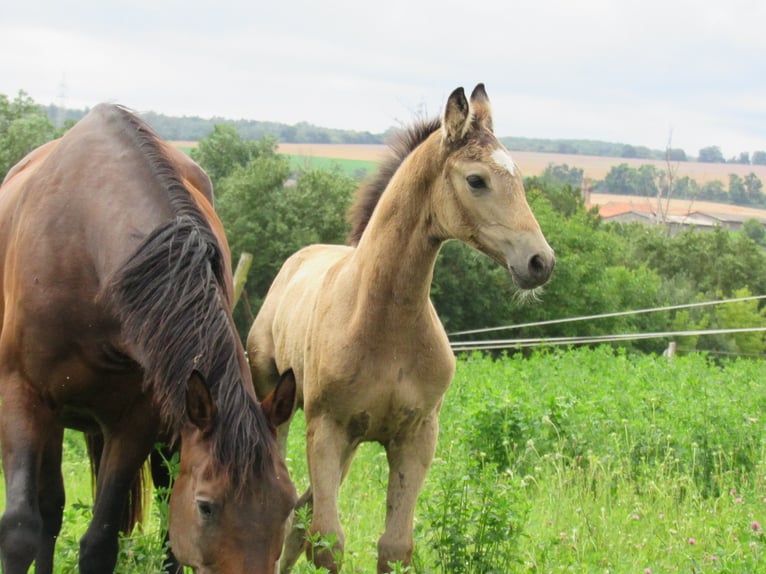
{"points": [[397, 251]]}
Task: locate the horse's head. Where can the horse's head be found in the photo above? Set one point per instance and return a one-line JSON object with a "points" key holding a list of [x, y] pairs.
{"points": [[219, 528], [483, 201]]}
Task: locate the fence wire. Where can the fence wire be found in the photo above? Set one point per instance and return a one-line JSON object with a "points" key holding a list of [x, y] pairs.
{"points": [[517, 343]]}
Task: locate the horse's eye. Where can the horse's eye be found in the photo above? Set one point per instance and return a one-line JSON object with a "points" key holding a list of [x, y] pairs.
{"points": [[206, 509], [476, 182]]}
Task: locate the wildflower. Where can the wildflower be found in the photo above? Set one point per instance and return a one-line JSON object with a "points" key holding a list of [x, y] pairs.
{"points": [[691, 541], [647, 571], [755, 525], [738, 500]]}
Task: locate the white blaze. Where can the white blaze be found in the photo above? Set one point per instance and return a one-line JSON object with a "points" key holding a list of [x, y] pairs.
{"points": [[504, 159]]}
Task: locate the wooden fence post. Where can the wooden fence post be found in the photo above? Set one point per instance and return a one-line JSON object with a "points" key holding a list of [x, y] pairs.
{"points": [[240, 275]]}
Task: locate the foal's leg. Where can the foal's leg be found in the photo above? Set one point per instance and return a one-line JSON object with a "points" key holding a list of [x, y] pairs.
{"points": [[329, 454], [25, 429], [408, 460], [125, 450]]}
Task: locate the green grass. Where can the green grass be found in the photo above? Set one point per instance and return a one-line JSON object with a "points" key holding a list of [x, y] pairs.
{"points": [[354, 168], [573, 461]]}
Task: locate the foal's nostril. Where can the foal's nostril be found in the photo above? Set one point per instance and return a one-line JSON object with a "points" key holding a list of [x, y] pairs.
{"points": [[536, 265], [540, 267]]}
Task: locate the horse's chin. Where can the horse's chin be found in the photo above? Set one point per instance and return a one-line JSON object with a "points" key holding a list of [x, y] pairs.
{"points": [[527, 296]]}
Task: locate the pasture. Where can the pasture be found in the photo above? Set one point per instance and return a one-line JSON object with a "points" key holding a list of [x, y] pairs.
{"points": [[584, 460]]}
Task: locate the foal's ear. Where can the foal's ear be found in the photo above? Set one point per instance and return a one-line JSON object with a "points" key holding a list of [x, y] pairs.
{"points": [[482, 110], [457, 117], [279, 404], [200, 407]]}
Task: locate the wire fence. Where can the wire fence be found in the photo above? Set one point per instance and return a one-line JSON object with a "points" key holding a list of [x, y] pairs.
{"points": [[518, 343]]}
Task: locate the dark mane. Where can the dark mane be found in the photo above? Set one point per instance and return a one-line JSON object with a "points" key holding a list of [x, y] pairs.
{"points": [[367, 196], [171, 299]]}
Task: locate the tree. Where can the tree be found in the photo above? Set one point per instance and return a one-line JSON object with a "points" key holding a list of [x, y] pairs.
{"points": [[224, 150], [743, 314], [758, 158], [676, 154], [755, 230], [754, 190], [23, 127], [621, 179], [737, 191], [711, 154]]}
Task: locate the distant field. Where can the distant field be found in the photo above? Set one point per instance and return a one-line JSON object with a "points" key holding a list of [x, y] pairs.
{"points": [[534, 163]]}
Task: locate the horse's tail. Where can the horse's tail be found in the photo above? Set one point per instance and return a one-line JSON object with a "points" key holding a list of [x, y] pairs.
{"points": [[134, 511]]}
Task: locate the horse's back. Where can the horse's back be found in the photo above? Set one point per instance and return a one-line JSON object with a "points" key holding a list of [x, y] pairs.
{"points": [[71, 213]]}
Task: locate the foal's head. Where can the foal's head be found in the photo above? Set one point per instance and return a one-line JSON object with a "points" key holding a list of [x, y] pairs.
{"points": [[481, 198]]}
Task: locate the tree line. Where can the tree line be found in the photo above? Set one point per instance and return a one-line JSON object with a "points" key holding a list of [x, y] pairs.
{"points": [[650, 181], [193, 128]]}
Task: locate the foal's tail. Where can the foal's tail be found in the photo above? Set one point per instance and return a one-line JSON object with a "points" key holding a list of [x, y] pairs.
{"points": [[134, 511]]}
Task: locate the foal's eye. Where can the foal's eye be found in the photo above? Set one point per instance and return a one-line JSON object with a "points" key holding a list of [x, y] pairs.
{"points": [[476, 182], [206, 509]]}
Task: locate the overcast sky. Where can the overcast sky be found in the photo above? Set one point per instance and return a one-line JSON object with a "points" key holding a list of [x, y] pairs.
{"points": [[637, 72]]}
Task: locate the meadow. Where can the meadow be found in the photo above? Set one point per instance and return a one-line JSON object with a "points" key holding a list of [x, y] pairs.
{"points": [[581, 460]]}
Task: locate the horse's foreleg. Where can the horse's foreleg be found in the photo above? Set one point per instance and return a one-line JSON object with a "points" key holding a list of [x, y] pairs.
{"points": [[329, 452], [409, 458], [25, 428], [124, 452], [52, 498]]}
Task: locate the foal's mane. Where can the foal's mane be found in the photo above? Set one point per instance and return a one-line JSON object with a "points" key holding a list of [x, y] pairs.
{"points": [[368, 195], [171, 298]]}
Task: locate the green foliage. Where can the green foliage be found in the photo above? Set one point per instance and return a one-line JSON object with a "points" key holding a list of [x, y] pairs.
{"points": [[23, 127], [472, 517]]}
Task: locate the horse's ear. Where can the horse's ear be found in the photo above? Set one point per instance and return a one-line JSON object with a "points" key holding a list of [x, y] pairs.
{"points": [[199, 404], [481, 107], [279, 404], [457, 117]]}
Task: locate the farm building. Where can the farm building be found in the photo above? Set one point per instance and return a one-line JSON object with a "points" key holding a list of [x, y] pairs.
{"points": [[644, 210]]}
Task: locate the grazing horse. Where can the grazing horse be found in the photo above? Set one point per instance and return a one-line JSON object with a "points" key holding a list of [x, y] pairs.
{"points": [[356, 326], [115, 319]]}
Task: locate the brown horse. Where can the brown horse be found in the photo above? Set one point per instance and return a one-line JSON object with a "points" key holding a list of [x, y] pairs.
{"points": [[115, 319], [356, 325]]}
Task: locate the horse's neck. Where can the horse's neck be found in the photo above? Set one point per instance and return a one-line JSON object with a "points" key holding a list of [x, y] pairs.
{"points": [[396, 255]]}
